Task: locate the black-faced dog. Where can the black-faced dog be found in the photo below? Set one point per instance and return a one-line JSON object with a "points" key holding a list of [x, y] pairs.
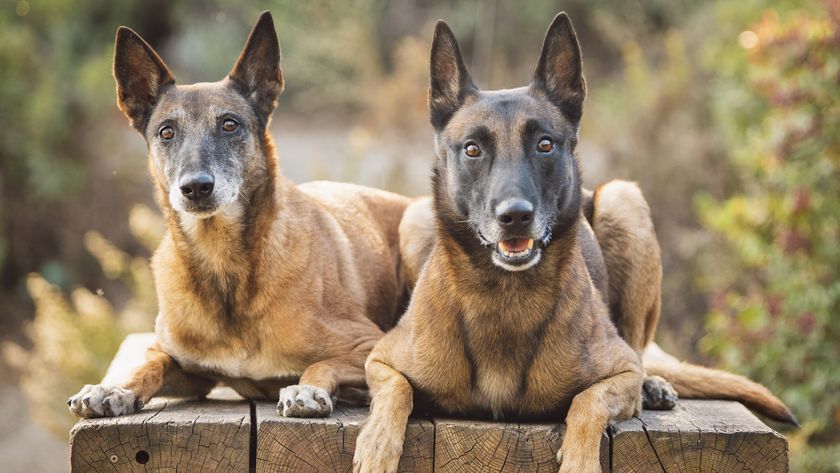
{"points": [[521, 310]]}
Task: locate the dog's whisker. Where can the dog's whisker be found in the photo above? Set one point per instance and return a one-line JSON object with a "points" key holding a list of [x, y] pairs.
{"points": [[244, 198]]}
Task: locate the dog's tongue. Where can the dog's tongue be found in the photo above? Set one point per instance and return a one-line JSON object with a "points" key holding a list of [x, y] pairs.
{"points": [[514, 245]]}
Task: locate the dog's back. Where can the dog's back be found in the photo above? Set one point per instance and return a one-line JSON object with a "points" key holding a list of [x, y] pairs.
{"points": [[368, 220]]}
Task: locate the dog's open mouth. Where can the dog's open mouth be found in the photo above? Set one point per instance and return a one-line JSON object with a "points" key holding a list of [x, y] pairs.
{"points": [[516, 253], [515, 248]]}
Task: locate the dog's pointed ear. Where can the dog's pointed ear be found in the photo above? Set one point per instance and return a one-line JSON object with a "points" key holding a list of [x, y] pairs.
{"points": [[450, 82], [257, 72], [559, 72], [141, 75]]}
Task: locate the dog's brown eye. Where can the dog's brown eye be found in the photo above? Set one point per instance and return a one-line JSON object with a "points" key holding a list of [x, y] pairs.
{"points": [[167, 133], [472, 150], [229, 124], [545, 145]]}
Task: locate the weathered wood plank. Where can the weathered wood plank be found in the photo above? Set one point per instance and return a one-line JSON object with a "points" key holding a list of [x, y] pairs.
{"points": [[698, 436], [467, 446], [168, 434], [218, 435], [324, 445]]}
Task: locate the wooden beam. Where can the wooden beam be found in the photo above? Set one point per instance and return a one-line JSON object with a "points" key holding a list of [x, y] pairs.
{"points": [[168, 434], [466, 446], [698, 436], [228, 434], [324, 445]]}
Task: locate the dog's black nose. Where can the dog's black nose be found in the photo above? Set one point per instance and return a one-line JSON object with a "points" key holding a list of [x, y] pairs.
{"points": [[514, 213], [196, 186]]}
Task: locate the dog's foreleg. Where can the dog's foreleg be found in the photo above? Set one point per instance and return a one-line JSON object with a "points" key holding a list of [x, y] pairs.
{"points": [[317, 389], [614, 398], [160, 374], [380, 442]]}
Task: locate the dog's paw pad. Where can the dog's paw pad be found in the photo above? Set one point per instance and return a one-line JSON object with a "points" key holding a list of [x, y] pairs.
{"points": [[97, 400], [658, 394], [304, 401]]}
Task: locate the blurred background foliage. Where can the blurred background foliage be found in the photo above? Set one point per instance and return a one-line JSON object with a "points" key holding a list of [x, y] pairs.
{"points": [[775, 299], [78, 337], [726, 113]]}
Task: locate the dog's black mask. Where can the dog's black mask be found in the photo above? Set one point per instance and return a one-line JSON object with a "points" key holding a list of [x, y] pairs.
{"points": [[506, 177]]}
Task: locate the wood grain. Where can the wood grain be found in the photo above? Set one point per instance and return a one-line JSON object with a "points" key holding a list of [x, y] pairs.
{"points": [[168, 434], [463, 446], [324, 445], [698, 436], [228, 434]]}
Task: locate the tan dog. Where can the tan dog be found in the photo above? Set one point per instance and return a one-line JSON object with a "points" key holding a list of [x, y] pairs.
{"points": [[518, 312], [261, 284]]}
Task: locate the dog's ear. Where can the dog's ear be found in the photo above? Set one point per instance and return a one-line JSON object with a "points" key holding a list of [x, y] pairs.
{"points": [[450, 82], [140, 74], [559, 72], [257, 72]]}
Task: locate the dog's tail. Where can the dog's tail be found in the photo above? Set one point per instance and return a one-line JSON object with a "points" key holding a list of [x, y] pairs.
{"points": [[697, 382]]}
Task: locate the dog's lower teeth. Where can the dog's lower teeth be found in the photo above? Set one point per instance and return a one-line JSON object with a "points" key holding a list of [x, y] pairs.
{"points": [[517, 254]]}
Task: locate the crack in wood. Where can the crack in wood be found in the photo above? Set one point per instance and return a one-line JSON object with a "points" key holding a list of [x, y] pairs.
{"points": [[652, 446], [252, 438]]}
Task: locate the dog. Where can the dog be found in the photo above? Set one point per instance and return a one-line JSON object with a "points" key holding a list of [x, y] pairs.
{"points": [[535, 299], [262, 284]]}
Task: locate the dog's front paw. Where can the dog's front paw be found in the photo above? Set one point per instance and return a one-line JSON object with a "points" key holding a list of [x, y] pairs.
{"points": [[658, 394], [97, 400], [302, 400], [377, 450]]}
